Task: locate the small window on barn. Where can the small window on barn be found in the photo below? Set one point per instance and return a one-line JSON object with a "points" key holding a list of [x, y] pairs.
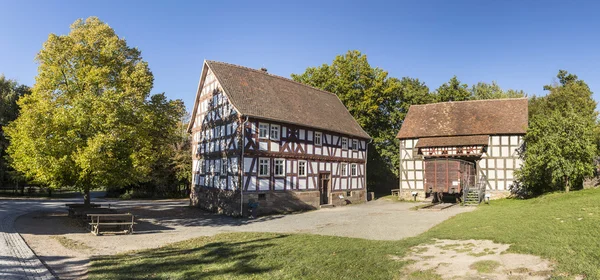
{"points": [[302, 168], [353, 169], [354, 144], [263, 166], [318, 139], [279, 167], [262, 196], [344, 143], [344, 169], [263, 131], [274, 132]]}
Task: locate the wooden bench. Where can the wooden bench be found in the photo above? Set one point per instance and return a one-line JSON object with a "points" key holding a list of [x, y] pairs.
{"points": [[119, 223], [396, 192]]}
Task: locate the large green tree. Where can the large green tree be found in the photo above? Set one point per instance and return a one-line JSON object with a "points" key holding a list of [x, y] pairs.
{"points": [[378, 102], [561, 139], [10, 92], [89, 122], [453, 90], [483, 90]]}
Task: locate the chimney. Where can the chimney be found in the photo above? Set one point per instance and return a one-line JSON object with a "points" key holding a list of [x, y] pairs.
{"points": [[263, 69]]}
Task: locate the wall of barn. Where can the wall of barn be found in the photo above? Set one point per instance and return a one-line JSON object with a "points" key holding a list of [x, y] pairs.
{"points": [[496, 167], [499, 163], [411, 170]]}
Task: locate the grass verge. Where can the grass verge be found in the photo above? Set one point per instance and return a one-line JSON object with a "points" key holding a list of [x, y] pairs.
{"points": [[258, 256]]}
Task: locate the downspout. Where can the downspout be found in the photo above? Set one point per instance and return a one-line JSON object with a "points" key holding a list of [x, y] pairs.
{"points": [[366, 161], [242, 167]]}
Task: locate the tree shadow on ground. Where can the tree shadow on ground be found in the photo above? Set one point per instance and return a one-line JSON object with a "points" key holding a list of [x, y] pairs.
{"points": [[221, 259]]}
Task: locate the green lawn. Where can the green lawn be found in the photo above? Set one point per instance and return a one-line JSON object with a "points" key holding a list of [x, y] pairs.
{"points": [[561, 227], [258, 256]]}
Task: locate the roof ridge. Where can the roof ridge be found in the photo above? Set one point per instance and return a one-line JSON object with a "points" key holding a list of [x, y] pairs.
{"points": [[272, 75], [476, 100]]}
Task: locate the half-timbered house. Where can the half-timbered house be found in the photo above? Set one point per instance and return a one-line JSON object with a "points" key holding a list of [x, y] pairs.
{"points": [[268, 140], [454, 146]]}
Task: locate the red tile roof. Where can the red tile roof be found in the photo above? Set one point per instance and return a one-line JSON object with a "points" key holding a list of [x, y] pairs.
{"points": [[453, 141], [257, 94], [477, 117]]}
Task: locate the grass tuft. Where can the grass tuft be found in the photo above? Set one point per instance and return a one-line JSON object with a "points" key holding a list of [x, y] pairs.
{"points": [[485, 266]]}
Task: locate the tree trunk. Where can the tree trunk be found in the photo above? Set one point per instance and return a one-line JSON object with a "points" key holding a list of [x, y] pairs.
{"points": [[566, 184], [86, 196]]}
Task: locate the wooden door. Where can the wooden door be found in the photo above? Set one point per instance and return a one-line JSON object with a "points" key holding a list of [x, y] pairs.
{"points": [[324, 180]]}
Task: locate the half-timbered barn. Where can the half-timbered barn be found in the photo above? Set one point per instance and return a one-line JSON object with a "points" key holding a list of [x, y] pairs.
{"points": [[261, 139], [452, 148]]}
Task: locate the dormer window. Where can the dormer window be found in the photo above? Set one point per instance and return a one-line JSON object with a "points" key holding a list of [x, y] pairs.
{"points": [[274, 132], [318, 138], [263, 131]]}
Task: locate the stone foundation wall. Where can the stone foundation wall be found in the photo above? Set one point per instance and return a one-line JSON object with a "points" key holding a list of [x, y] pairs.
{"points": [[217, 201], [228, 202], [407, 195], [497, 194]]}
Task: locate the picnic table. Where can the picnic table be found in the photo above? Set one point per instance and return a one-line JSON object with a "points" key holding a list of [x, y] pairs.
{"points": [[115, 222]]}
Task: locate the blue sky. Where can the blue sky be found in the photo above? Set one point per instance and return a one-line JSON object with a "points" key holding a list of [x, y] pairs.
{"points": [[519, 44]]}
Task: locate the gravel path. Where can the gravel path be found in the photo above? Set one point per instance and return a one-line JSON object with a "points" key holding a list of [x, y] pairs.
{"points": [[17, 260]]}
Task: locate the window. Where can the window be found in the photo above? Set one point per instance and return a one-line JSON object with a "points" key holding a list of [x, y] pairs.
{"points": [[224, 166], [353, 169], [262, 196], [200, 166], [263, 166], [344, 143], [354, 144], [274, 132], [279, 167], [263, 131], [318, 139], [217, 166], [302, 168], [344, 169]]}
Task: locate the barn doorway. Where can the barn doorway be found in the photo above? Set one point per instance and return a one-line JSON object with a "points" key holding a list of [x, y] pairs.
{"points": [[448, 178], [324, 188]]}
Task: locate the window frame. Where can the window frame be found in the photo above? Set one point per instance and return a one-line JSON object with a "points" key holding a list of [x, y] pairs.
{"points": [[283, 162], [354, 144], [343, 169], [353, 169], [318, 135], [267, 133], [305, 168], [278, 132], [224, 167], [344, 141], [268, 164]]}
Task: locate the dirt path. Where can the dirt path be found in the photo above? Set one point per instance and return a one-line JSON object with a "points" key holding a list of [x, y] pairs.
{"points": [[473, 259]]}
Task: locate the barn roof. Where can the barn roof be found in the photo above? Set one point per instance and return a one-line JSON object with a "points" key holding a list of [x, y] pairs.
{"points": [[255, 93], [463, 118], [449, 141]]}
